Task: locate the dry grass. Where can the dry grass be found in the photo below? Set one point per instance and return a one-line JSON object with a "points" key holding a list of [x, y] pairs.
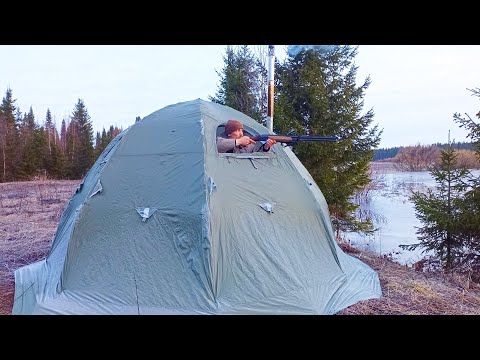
{"points": [[30, 212], [410, 292], [29, 216]]}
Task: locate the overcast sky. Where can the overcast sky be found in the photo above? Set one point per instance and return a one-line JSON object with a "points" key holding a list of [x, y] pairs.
{"points": [[414, 93]]}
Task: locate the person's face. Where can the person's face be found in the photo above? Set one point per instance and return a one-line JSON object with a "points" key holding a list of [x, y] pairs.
{"points": [[237, 134]]}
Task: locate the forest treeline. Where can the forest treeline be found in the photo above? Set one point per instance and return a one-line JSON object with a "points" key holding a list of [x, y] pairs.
{"points": [[31, 149], [423, 157], [390, 153]]}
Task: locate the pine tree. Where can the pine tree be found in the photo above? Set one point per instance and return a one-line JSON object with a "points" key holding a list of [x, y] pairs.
{"points": [[316, 93], [440, 211]]}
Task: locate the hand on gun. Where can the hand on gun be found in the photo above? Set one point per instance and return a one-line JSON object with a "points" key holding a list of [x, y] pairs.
{"points": [[268, 144], [244, 141]]}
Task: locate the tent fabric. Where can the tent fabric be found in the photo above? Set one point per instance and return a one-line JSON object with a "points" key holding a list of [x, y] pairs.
{"points": [[164, 224]]}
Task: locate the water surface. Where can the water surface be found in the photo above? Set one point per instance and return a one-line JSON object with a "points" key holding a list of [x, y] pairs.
{"points": [[395, 214]]}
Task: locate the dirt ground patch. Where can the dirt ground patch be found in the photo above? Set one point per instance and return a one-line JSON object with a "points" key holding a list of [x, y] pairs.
{"points": [[30, 212]]}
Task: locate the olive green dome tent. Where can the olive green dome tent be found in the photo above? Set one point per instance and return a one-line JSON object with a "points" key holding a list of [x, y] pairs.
{"points": [[164, 224]]}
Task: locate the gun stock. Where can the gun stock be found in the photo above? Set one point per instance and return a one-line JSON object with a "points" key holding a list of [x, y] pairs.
{"points": [[288, 139]]}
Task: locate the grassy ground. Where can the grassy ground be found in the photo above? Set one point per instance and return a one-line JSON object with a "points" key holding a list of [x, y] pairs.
{"points": [[30, 212], [410, 292]]}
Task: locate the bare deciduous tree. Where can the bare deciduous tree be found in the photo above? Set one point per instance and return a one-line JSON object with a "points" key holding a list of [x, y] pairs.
{"points": [[467, 159], [417, 158]]}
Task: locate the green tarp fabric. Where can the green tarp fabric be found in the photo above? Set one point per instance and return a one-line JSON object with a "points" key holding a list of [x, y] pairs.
{"points": [[164, 224]]}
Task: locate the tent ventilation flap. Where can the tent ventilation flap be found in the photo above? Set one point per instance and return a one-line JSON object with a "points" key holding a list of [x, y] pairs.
{"points": [[268, 207], [146, 212]]}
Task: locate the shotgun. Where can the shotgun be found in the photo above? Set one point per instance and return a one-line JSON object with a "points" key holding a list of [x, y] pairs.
{"points": [[290, 139]]}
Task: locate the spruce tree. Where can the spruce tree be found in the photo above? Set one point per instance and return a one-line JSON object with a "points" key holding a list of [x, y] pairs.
{"points": [[58, 160], [51, 148], [470, 211], [49, 129], [241, 83], [440, 210], [63, 136], [40, 148], [104, 141], [3, 142], [98, 146], [80, 151], [316, 93], [8, 138], [29, 155], [49, 143]]}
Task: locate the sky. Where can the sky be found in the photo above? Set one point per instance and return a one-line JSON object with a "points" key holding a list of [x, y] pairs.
{"points": [[414, 91]]}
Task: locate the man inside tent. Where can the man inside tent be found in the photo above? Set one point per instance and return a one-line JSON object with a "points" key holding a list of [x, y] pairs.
{"points": [[234, 141]]}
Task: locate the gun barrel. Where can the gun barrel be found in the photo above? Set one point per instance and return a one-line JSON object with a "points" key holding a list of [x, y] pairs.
{"points": [[294, 138], [315, 138]]}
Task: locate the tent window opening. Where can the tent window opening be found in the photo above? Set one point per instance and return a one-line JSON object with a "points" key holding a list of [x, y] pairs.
{"points": [[257, 150]]}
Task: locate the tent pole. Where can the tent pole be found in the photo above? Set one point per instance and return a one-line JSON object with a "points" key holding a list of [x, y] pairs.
{"points": [[271, 68]]}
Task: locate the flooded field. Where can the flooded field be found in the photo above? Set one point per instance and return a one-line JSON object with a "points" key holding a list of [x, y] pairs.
{"points": [[394, 213]]}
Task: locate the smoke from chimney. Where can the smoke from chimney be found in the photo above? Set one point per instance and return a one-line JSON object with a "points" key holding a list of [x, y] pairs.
{"points": [[293, 50]]}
